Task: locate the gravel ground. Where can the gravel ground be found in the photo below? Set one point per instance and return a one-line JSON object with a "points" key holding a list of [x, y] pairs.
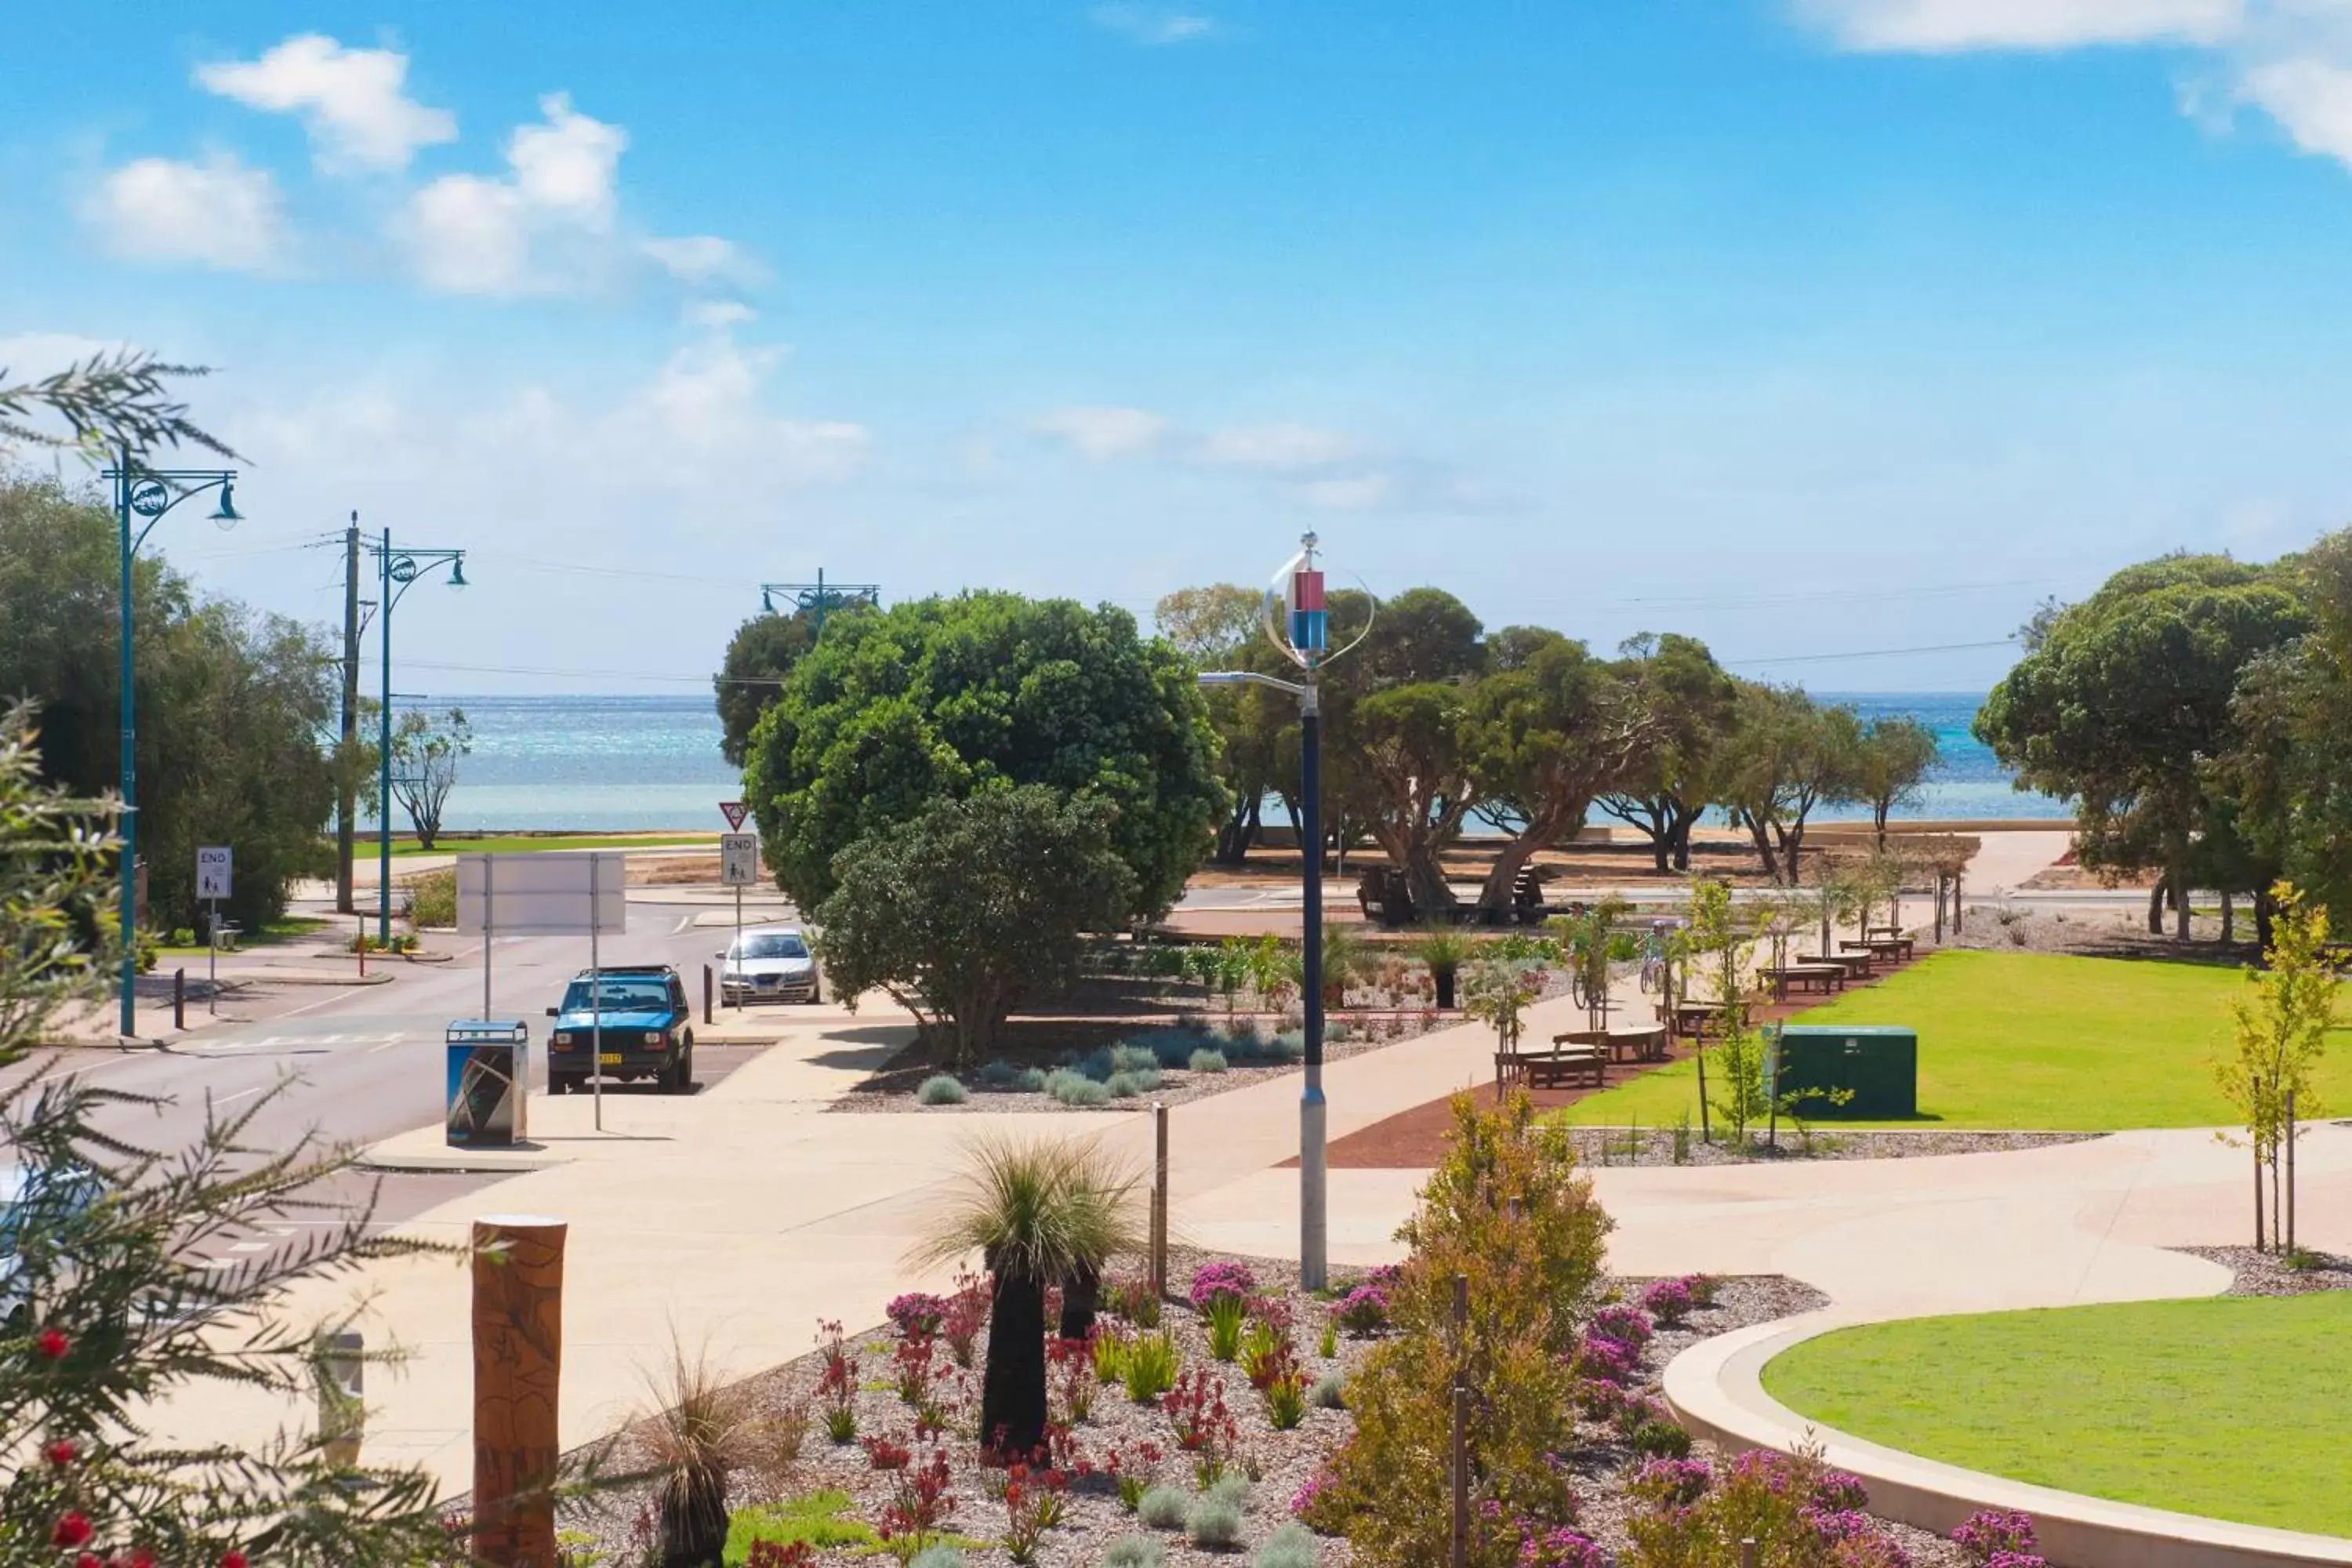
{"points": [[2265, 1274], [1282, 1462], [1605, 1146]]}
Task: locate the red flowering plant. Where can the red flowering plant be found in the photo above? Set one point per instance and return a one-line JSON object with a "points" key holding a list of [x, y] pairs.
{"points": [[836, 1386], [1070, 1368], [966, 1314], [1133, 1472], [919, 1507], [1205, 1428], [1035, 1502]]}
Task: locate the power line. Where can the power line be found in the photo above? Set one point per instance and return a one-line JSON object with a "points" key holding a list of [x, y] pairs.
{"points": [[1872, 653]]}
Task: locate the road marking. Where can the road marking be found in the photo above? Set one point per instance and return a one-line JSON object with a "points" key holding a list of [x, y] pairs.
{"points": [[240, 1094], [250, 1247]]}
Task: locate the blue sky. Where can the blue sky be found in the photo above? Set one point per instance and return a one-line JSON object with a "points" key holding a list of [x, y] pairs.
{"points": [[1816, 328]]}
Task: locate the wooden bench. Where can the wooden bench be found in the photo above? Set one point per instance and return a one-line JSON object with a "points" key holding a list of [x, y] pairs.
{"points": [[1857, 965], [1897, 948], [1821, 977], [1566, 1065], [1693, 1019]]}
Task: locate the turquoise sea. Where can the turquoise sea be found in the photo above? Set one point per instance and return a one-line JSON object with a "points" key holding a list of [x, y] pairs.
{"points": [[653, 763]]}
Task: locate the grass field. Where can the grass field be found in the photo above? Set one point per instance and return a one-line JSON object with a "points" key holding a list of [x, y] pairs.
{"points": [[2230, 1407], [276, 931], [2030, 1040], [524, 843]]}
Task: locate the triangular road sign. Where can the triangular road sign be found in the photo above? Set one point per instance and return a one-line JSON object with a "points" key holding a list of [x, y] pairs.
{"points": [[736, 810]]}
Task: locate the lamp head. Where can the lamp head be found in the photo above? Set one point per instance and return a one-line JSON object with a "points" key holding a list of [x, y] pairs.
{"points": [[767, 603], [226, 514], [458, 572]]}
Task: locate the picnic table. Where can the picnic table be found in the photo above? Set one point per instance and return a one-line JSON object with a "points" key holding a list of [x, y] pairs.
{"points": [[1693, 1019], [1821, 977], [1898, 948], [1563, 1064], [1856, 965]]}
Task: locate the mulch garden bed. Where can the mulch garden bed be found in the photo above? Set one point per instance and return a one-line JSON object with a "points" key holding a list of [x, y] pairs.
{"points": [[2266, 1273], [617, 1522]]}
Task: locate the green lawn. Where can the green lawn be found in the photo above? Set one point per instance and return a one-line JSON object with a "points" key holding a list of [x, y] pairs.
{"points": [[2233, 1407], [2030, 1040], [522, 843], [276, 931]]}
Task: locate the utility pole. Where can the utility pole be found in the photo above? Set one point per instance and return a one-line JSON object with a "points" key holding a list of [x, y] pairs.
{"points": [[346, 799]]}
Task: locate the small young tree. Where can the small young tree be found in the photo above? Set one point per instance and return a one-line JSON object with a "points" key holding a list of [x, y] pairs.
{"points": [[1722, 942], [424, 756], [2282, 1032], [973, 906], [1499, 992]]}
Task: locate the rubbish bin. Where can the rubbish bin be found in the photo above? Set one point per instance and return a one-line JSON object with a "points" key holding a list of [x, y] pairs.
{"points": [[488, 1063], [1877, 1063]]}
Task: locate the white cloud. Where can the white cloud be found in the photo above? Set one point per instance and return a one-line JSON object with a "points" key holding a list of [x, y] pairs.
{"points": [[716, 314], [706, 402], [1937, 25], [704, 259], [219, 213], [2311, 98], [1277, 448], [543, 228], [351, 101], [1107, 435], [1153, 25]]}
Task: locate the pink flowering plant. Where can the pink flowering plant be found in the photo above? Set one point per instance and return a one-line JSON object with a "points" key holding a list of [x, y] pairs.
{"points": [[1999, 1538], [1230, 1280]]}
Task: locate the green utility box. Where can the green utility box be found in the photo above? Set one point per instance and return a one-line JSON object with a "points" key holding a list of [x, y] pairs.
{"points": [[1878, 1062]]}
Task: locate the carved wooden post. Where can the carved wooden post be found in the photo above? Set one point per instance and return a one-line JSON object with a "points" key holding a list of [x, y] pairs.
{"points": [[518, 1363]]}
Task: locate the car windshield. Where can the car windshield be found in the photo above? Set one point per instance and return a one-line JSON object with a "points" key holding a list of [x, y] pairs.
{"points": [[622, 994], [773, 944]]}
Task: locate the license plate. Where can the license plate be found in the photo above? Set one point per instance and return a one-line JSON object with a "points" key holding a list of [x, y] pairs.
{"points": [[609, 1059]]}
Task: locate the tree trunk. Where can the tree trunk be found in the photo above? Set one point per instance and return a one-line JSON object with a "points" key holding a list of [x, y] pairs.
{"points": [[2258, 1197], [1237, 832], [1080, 1294], [1762, 837], [1878, 810], [2156, 909], [1013, 1384], [2179, 881], [2229, 918], [693, 1519], [2263, 909]]}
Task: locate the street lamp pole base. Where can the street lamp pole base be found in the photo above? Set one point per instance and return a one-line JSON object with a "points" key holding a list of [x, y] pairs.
{"points": [[1314, 1270]]}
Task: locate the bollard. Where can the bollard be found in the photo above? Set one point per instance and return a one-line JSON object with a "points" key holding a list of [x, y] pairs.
{"points": [[361, 947], [518, 1366], [343, 1419], [179, 998], [1159, 1201], [707, 1017], [1748, 1552]]}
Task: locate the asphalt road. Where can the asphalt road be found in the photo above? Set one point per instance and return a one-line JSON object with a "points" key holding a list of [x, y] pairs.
{"points": [[354, 1065]]}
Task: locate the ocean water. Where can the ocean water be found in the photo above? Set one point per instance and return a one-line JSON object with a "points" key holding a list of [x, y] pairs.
{"points": [[653, 763]]}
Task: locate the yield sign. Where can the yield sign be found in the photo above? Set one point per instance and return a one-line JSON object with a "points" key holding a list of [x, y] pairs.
{"points": [[735, 811]]}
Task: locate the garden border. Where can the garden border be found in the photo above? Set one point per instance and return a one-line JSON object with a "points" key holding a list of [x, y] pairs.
{"points": [[1716, 1388]]}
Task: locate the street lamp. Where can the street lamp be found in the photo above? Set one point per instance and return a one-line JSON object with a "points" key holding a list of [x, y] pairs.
{"points": [[819, 596], [149, 492], [1295, 624], [399, 569]]}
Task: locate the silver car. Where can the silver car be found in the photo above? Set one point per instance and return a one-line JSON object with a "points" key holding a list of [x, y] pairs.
{"points": [[769, 964]]}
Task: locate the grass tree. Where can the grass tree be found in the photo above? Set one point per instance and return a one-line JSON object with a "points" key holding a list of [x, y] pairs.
{"points": [[2282, 1032], [1040, 1212], [705, 1430]]}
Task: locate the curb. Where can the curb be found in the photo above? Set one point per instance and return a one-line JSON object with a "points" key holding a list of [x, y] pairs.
{"points": [[1715, 1388], [474, 1161]]}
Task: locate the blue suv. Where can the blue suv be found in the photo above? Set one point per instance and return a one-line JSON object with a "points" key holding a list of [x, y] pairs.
{"points": [[646, 1025]]}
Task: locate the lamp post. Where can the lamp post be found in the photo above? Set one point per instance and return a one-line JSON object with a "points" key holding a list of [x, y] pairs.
{"points": [[398, 569], [819, 596], [1295, 624], [149, 493]]}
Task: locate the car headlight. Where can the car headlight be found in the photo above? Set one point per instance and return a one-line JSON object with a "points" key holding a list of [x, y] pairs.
{"points": [[562, 1036]]}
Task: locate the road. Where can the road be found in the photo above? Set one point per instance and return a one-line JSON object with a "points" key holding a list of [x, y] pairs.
{"points": [[354, 1064]]}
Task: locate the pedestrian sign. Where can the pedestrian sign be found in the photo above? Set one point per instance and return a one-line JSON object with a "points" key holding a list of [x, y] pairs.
{"points": [[739, 859], [214, 870], [736, 810]]}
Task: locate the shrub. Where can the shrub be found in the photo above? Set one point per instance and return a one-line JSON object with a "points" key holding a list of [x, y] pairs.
{"points": [[1032, 1081], [1292, 1546], [1076, 1090], [1290, 1046], [999, 1074], [1702, 1287], [1285, 1400], [1797, 1511], [915, 1314], [1132, 1552], [1213, 1525], [1363, 1310], [1152, 1363], [1330, 1393], [1133, 1297], [812, 1520], [1206, 1060], [1327, 1343], [1163, 1508], [1605, 1359], [938, 1557], [1661, 1440], [1226, 1317], [1133, 1056], [1626, 1325], [1992, 1535], [432, 900], [1212, 1280], [1532, 1266], [1230, 1489], [940, 1088], [1669, 1301], [1127, 1085]]}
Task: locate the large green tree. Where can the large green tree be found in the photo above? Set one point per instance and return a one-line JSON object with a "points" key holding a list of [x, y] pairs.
{"points": [[1544, 739], [2123, 701], [233, 705], [1892, 758], [1787, 756], [942, 698], [1218, 626], [974, 906], [758, 655], [1688, 703]]}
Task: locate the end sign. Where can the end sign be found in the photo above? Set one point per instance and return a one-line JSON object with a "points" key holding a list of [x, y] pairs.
{"points": [[739, 859], [215, 864]]}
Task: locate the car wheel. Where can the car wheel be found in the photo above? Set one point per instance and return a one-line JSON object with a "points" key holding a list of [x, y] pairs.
{"points": [[679, 1078]]}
